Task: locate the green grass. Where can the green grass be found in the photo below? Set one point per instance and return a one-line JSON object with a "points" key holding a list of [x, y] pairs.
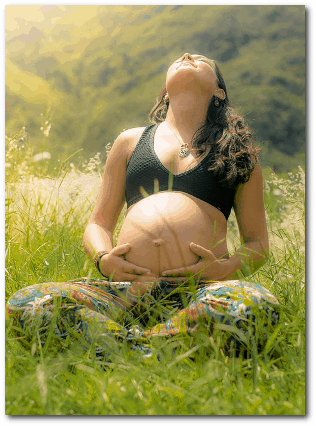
{"points": [[45, 219]]}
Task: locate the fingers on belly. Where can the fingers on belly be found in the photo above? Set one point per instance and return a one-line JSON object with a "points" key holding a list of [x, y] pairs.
{"points": [[161, 254]]}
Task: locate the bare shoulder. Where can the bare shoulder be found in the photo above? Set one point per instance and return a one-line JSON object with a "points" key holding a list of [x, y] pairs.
{"points": [[124, 146], [132, 133], [128, 139], [257, 171], [255, 178], [252, 190], [249, 207], [126, 142]]}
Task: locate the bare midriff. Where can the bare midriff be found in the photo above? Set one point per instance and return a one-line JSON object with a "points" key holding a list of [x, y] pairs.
{"points": [[161, 227]]}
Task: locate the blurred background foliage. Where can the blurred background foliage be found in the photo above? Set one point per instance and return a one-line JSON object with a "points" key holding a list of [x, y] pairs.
{"points": [[90, 72]]}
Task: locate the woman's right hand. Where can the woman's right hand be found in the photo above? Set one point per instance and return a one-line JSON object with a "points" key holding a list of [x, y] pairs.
{"points": [[115, 266]]}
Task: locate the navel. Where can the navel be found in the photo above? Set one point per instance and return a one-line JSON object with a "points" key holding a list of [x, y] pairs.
{"points": [[159, 242]]}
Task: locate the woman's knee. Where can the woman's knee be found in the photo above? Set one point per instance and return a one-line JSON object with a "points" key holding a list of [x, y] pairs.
{"points": [[236, 299]]}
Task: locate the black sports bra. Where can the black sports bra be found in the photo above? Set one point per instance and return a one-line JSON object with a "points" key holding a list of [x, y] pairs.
{"points": [[144, 167]]}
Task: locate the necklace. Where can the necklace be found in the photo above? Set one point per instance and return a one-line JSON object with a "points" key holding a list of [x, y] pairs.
{"points": [[184, 149]]}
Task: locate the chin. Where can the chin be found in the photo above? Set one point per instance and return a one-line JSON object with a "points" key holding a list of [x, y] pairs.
{"points": [[181, 78]]}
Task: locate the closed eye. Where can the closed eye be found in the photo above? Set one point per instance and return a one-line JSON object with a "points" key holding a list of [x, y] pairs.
{"points": [[197, 59], [202, 59]]}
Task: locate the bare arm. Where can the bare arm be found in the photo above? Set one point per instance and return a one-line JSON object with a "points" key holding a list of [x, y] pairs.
{"points": [[98, 235], [250, 214], [110, 201]]}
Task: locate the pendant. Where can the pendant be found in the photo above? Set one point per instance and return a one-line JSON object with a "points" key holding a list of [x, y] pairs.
{"points": [[184, 150]]}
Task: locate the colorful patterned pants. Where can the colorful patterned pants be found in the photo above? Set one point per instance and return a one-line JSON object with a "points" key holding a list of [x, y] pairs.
{"points": [[107, 312]]}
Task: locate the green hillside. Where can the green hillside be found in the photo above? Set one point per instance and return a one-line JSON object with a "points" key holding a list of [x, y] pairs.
{"points": [[100, 68]]}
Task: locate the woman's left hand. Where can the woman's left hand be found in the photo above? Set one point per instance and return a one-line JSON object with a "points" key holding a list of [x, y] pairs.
{"points": [[207, 268]]}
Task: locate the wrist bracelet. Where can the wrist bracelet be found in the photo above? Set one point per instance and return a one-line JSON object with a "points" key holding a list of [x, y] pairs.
{"points": [[96, 259]]}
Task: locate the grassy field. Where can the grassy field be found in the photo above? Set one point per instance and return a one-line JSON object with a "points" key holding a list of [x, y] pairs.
{"points": [[45, 219]]}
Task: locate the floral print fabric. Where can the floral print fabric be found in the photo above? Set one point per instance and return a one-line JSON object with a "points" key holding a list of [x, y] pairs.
{"points": [[106, 312]]}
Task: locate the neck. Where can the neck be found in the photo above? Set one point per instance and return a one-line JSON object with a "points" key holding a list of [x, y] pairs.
{"points": [[186, 113]]}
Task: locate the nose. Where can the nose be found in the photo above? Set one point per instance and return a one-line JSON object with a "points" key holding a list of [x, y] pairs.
{"points": [[187, 56]]}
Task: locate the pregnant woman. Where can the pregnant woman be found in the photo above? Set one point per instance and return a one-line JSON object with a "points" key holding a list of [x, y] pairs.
{"points": [[180, 178]]}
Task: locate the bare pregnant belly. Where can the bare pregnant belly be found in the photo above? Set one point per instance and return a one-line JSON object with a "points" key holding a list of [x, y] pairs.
{"points": [[161, 227]]}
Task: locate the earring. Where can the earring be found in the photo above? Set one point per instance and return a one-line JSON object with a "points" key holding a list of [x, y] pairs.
{"points": [[166, 99], [216, 102]]}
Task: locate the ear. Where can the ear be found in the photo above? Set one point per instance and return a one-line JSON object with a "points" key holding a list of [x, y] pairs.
{"points": [[220, 93], [166, 98]]}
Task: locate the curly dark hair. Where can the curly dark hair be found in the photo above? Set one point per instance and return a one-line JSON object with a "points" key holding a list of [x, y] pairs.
{"points": [[231, 140]]}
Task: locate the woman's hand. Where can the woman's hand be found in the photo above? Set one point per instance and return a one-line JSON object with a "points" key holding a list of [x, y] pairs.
{"points": [[115, 266], [207, 268]]}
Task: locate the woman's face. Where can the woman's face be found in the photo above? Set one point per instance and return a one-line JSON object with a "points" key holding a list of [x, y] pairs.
{"points": [[192, 68]]}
